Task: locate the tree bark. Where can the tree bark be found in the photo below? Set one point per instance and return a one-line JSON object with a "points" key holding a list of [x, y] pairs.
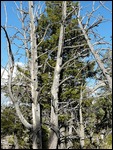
{"points": [[62, 138], [16, 141], [55, 86], [70, 133], [81, 123], [37, 141]]}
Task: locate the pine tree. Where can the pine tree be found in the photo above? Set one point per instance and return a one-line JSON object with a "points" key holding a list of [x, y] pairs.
{"points": [[70, 89]]}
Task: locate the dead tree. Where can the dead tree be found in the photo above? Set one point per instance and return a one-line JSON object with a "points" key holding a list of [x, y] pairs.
{"points": [[37, 142], [35, 126], [56, 81], [91, 46]]}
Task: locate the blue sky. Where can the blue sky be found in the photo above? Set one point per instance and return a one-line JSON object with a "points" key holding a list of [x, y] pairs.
{"points": [[12, 21], [104, 29]]}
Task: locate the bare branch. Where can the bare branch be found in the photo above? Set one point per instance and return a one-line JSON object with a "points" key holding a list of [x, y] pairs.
{"points": [[71, 12], [74, 46], [97, 58], [65, 80], [5, 14], [9, 50], [71, 59], [105, 6], [95, 24], [4, 70], [43, 35], [23, 120]]}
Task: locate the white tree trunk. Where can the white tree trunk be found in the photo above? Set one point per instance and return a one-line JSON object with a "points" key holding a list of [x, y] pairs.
{"points": [[55, 86], [70, 133], [37, 142], [16, 142], [81, 132], [62, 138], [36, 126]]}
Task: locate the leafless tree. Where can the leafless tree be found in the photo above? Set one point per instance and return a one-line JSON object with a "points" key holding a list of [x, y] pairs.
{"points": [[30, 46], [56, 81], [88, 29]]}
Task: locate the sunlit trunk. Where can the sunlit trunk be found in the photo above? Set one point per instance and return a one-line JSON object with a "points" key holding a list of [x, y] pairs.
{"points": [[37, 142], [81, 123], [53, 143]]}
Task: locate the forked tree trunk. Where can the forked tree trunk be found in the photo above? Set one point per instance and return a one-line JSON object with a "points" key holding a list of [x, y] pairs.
{"points": [[55, 86]]}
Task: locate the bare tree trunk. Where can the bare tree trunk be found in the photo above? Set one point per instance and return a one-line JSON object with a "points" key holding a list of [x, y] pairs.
{"points": [[16, 141], [55, 86], [62, 138], [37, 142], [97, 58], [81, 132], [69, 142]]}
